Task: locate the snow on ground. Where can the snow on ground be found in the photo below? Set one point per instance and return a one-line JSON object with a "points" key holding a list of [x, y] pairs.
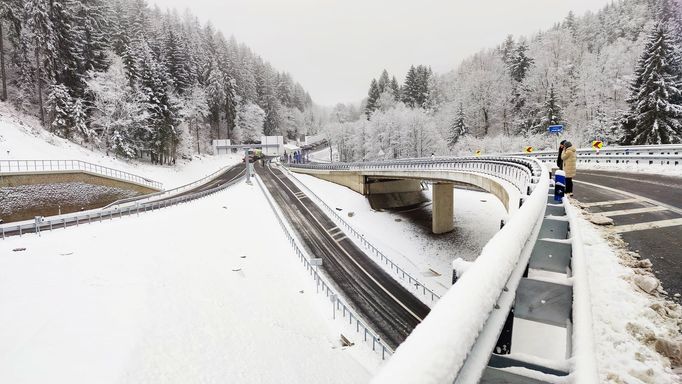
{"points": [[187, 294], [410, 245], [627, 321], [23, 137]]}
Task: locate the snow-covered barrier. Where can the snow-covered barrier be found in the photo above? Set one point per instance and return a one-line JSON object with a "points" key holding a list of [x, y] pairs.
{"points": [[669, 155], [46, 166], [452, 335]]}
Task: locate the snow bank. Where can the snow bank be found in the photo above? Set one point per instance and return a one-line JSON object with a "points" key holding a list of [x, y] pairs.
{"points": [[183, 295], [22, 138], [626, 321]]}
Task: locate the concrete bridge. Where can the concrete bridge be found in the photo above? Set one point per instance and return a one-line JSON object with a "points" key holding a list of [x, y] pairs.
{"points": [[402, 187]]}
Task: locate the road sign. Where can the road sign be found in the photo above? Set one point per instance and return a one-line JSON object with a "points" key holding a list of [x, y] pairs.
{"points": [[597, 144], [529, 149], [478, 153], [555, 128]]}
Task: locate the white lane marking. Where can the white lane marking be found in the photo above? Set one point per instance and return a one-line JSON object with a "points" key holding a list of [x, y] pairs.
{"points": [[649, 225], [634, 211], [631, 179], [634, 196], [610, 202], [351, 257], [334, 231], [343, 237]]}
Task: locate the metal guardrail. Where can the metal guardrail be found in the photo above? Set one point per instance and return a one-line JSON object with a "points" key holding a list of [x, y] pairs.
{"points": [[30, 166], [63, 221], [519, 172], [170, 192], [412, 283], [637, 154], [337, 302]]}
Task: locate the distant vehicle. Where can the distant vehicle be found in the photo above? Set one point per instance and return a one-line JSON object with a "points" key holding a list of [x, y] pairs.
{"points": [[254, 155]]}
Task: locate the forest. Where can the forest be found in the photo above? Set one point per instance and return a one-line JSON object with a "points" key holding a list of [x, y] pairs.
{"points": [[121, 76], [614, 75]]}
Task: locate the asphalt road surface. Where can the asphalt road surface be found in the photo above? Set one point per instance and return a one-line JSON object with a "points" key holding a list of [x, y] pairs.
{"points": [[391, 310], [647, 214]]}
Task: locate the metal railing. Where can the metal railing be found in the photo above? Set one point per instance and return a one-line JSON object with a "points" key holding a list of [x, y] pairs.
{"points": [[519, 172], [171, 192], [412, 282], [71, 219], [321, 283], [35, 166], [648, 155]]}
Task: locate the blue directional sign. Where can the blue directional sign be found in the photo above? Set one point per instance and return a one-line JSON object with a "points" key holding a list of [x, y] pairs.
{"points": [[555, 128]]}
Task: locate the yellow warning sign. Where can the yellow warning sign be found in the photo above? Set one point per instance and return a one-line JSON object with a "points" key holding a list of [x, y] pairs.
{"points": [[597, 144], [529, 149], [478, 153]]}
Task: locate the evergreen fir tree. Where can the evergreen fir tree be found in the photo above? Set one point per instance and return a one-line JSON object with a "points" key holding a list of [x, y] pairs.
{"points": [[60, 106], [395, 88], [458, 128], [655, 115], [520, 63], [384, 82], [39, 23], [373, 97]]}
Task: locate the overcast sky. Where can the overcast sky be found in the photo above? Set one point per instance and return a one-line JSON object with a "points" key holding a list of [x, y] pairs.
{"points": [[335, 47]]}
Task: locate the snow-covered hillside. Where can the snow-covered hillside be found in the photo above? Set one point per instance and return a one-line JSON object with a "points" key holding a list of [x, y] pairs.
{"points": [[22, 138]]}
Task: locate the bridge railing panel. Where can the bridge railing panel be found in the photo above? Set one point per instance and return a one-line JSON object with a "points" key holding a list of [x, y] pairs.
{"points": [[28, 166]]}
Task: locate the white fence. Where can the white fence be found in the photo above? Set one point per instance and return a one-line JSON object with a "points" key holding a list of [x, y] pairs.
{"points": [[647, 155], [38, 166]]}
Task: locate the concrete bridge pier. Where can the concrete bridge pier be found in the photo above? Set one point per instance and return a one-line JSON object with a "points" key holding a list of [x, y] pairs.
{"points": [[443, 208]]}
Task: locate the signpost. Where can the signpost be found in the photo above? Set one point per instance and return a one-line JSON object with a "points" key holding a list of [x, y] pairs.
{"points": [[529, 149], [555, 129], [558, 129]]}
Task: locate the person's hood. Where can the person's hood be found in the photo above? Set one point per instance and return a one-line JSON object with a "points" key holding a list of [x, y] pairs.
{"points": [[569, 149]]}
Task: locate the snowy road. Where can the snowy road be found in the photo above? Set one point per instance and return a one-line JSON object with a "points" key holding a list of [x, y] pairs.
{"points": [[647, 213], [384, 303]]}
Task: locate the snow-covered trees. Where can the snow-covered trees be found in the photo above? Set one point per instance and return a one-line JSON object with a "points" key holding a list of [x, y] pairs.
{"points": [[655, 116], [250, 119], [459, 127], [120, 115], [171, 65]]}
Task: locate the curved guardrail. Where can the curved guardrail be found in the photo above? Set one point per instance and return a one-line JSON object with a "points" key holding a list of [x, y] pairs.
{"points": [[520, 172], [71, 219], [647, 155], [469, 318], [30, 166], [170, 192]]}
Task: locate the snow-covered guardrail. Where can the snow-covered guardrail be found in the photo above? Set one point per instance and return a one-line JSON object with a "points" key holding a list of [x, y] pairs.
{"points": [[323, 286], [71, 219], [412, 283], [665, 155], [35, 166], [521, 173], [462, 329], [170, 192]]}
